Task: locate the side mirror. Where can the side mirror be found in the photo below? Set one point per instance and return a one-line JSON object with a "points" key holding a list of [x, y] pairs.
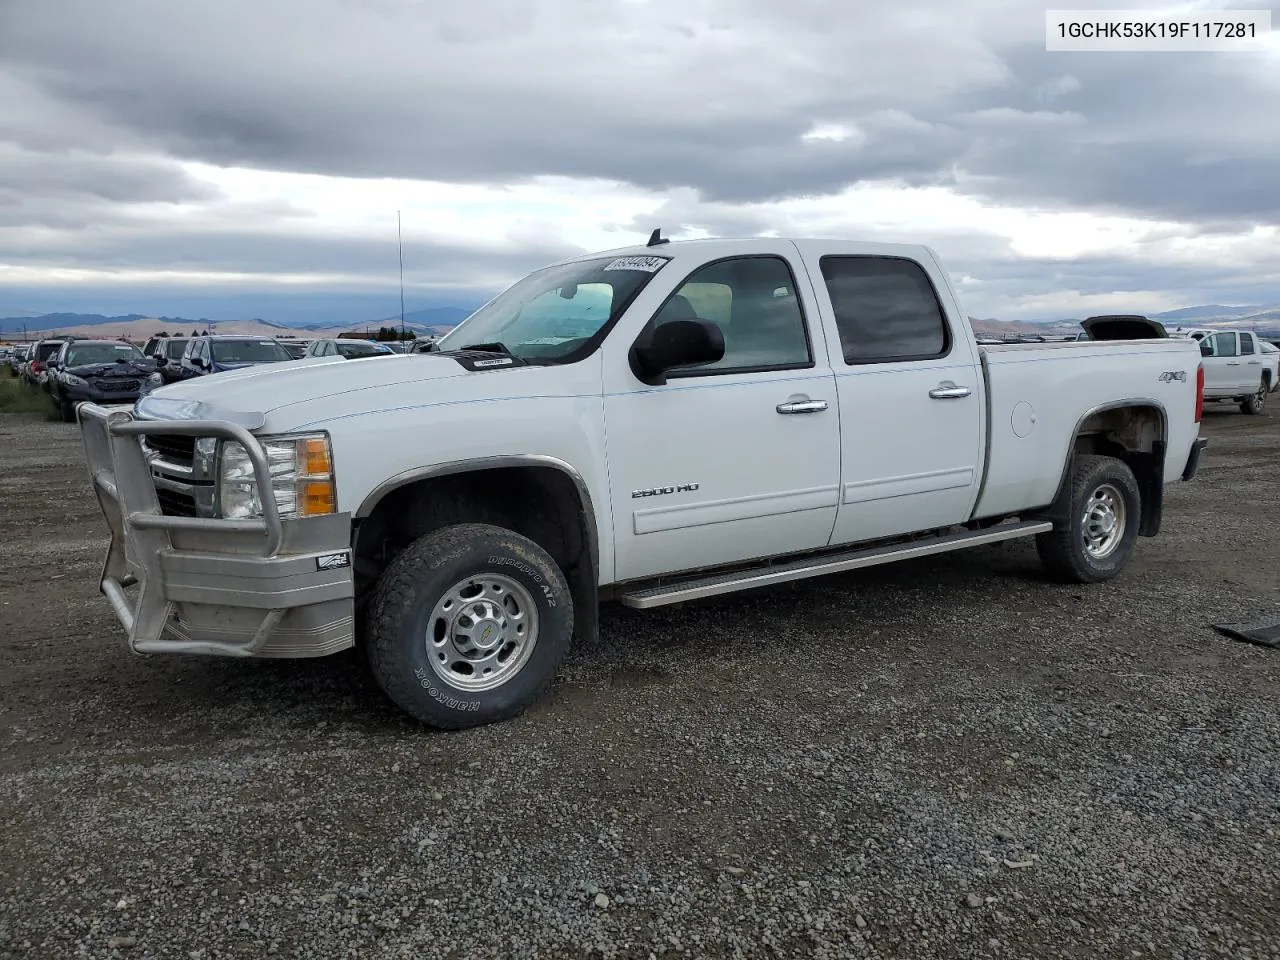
{"points": [[676, 343], [1205, 349]]}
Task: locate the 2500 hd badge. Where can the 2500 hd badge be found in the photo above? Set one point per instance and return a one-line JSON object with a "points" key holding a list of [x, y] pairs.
{"points": [[661, 491]]}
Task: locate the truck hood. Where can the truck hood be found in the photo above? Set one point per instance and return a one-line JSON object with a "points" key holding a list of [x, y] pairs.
{"points": [[247, 395]]}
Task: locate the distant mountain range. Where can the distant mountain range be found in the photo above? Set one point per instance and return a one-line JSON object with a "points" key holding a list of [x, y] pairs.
{"points": [[431, 321], [1217, 316], [434, 321]]}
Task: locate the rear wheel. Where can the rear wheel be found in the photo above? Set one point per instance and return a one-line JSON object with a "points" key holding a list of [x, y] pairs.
{"points": [[1105, 511], [468, 626], [1255, 403]]}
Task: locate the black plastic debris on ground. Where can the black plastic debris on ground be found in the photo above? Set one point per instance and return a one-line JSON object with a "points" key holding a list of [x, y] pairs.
{"points": [[1265, 633]]}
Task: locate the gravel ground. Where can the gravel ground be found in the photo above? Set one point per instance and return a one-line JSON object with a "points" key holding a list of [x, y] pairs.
{"points": [[946, 758]]}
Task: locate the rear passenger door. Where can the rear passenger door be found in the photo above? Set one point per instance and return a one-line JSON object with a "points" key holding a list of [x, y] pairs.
{"points": [[910, 390], [1252, 365]]}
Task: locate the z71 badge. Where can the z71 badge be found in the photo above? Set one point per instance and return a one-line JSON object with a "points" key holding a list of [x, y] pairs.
{"points": [[661, 491]]}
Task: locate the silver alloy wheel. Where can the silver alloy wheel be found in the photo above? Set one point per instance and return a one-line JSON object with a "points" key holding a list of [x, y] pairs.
{"points": [[1259, 399], [1104, 522], [482, 632]]}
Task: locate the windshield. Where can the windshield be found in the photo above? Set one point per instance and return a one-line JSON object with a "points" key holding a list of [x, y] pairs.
{"points": [[86, 353], [173, 348], [553, 312], [247, 351], [354, 348]]}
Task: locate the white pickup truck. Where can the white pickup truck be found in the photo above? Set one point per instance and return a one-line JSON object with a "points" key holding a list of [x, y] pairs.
{"points": [[648, 425], [1238, 367]]}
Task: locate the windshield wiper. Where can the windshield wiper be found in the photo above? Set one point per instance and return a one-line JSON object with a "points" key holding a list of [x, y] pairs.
{"points": [[494, 347]]}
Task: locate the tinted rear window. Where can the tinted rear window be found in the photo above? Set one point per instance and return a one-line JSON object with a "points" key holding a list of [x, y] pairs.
{"points": [[885, 309]]}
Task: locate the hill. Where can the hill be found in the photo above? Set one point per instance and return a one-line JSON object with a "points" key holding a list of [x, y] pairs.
{"points": [[140, 329]]}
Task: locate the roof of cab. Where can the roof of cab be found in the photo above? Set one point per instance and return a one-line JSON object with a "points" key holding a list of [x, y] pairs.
{"points": [[714, 247]]}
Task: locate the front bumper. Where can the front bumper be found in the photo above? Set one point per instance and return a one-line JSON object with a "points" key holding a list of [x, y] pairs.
{"points": [[94, 395], [181, 584], [1193, 459]]}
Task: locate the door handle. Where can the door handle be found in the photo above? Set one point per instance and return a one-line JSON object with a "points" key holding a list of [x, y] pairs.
{"points": [[1255, 363], [802, 406], [1233, 363], [947, 390]]}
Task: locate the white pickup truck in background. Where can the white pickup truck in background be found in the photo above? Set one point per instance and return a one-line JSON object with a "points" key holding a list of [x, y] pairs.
{"points": [[1238, 368], [650, 425]]}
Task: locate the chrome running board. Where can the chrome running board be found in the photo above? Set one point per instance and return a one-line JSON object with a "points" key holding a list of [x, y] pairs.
{"points": [[710, 586]]}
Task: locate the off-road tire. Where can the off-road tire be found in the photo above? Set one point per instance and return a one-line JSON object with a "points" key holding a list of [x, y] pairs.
{"points": [[406, 595], [1063, 550], [1255, 403]]}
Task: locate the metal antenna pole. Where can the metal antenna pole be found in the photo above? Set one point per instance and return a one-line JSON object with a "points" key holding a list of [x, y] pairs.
{"points": [[400, 241]]}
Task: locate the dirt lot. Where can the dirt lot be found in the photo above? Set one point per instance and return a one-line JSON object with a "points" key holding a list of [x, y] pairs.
{"points": [[950, 758]]}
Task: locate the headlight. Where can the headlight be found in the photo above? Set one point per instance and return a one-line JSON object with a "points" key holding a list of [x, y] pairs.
{"points": [[301, 470], [71, 380]]}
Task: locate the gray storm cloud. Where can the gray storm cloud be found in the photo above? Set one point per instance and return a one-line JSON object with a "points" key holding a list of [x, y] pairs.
{"points": [[711, 98]]}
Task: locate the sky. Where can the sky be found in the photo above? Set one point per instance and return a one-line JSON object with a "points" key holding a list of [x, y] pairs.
{"points": [[241, 158]]}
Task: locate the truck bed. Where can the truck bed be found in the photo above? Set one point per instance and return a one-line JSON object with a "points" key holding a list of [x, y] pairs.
{"points": [[1038, 395]]}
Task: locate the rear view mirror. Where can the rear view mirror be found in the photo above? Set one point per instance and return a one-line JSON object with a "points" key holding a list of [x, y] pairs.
{"points": [[676, 343]]}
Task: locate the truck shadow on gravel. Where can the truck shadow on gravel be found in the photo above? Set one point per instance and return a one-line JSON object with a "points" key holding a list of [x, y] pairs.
{"points": [[636, 648]]}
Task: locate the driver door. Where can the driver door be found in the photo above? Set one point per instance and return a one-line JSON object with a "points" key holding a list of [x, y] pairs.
{"points": [[733, 460]]}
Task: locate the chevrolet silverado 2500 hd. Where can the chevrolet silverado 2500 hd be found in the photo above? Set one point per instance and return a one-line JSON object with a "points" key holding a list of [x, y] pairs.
{"points": [[649, 425]]}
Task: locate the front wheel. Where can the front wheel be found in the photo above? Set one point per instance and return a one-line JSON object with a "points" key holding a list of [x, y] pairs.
{"points": [[1105, 511], [1255, 403], [468, 626]]}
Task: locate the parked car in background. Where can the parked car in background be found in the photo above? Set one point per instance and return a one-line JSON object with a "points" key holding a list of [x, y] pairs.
{"points": [[17, 358], [1235, 368], [350, 349], [218, 352], [425, 345], [103, 371], [38, 356], [168, 357], [1195, 333], [296, 346], [1122, 326]]}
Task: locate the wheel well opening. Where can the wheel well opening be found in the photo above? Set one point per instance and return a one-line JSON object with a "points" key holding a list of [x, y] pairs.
{"points": [[1135, 435], [541, 503]]}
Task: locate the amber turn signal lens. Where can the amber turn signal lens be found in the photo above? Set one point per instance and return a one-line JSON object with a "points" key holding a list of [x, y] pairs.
{"points": [[315, 457], [316, 498]]}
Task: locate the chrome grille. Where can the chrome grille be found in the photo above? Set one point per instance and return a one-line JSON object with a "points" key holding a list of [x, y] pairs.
{"points": [[175, 504], [173, 447]]}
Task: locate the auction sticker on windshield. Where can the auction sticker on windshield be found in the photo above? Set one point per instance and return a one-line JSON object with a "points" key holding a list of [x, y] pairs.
{"points": [[647, 264]]}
